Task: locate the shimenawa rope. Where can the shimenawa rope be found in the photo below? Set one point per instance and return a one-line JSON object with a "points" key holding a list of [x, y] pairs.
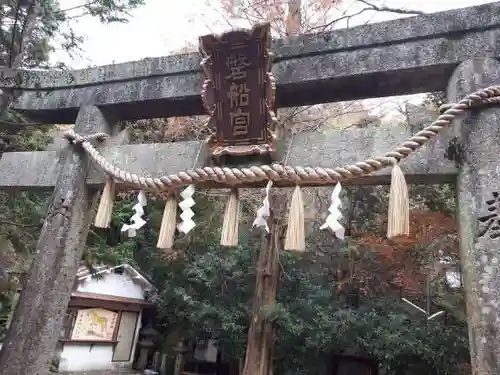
{"points": [[277, 172]]}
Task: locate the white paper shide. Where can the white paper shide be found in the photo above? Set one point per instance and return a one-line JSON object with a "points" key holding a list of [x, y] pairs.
{"points": [[136, 220], [187, 214], [332, 221], [264, 212]]}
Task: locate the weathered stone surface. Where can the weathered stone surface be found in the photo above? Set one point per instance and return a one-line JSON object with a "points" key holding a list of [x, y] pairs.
{"points": [[330, 149], [478, 188], [30, 344], [418, 117], [397, 57]]}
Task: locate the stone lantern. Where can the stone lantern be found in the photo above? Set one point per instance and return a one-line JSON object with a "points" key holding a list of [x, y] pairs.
{"points": [[146, 344]]}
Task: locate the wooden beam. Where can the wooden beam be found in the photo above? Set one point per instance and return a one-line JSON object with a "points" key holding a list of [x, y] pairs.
{"points": [[38, 170], [82, 299], [403, 56]]}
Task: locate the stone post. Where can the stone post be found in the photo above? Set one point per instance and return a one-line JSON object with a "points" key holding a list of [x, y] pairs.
{"points": [[478, 189], [33, 335], [180, 351], [163, 364]]}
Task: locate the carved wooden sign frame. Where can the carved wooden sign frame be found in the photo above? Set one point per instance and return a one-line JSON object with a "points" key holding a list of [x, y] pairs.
{"points": [[95, 324], [239, 92]]}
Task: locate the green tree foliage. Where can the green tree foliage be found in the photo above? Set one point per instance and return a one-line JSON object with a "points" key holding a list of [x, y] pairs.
{"points": [[207, 292], [204, 290]]}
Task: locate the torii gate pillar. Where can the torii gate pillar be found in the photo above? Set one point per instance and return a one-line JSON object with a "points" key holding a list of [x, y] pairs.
{"points": [[29, 346], [478, 189]]}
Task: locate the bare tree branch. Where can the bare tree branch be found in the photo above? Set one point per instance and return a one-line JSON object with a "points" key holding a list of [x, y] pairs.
{"points": [[76, 7], [391, 10], [347, 17], [369, 7]]}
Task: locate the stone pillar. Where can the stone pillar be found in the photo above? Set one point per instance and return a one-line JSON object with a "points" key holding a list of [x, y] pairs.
{"points": [[180, 357], [478, 190], [33, 335], [163, 364]]}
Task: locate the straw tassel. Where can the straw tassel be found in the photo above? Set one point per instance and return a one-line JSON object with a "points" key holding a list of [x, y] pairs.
{"points": [[229, 235], [168, 224], [295, 236], [103, 217], [399, 206]]}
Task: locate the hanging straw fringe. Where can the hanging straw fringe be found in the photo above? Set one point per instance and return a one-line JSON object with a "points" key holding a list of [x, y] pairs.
{"points": [[168, 224], [295, 236], [229, 235], [103, 217], [399, 206]]}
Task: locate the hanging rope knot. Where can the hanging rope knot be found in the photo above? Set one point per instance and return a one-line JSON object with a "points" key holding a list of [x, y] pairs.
{"points": [[78, 139], [393, 161]]}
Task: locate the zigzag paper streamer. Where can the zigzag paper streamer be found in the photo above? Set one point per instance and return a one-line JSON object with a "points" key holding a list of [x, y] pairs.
{"points": [[136, 219], [264, 212], [185, 205], [332, 221]]}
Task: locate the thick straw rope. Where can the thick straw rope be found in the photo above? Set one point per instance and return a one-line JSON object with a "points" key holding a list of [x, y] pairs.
{"points": [[277, 172]]}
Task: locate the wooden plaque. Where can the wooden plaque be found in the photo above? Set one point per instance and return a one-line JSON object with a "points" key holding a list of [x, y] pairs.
{"points": [[95, 324], [239, 92]]}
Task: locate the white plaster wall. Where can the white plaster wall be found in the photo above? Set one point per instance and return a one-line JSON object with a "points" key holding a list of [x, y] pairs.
{"points": [[77, 357], [112, 285]]}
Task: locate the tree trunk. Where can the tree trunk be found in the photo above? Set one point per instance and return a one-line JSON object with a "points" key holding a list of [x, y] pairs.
{"points": [[260, 345], [31, 340]]}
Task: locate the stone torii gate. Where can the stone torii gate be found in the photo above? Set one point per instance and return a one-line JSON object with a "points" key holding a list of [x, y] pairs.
{"points": [[454, 51]]}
